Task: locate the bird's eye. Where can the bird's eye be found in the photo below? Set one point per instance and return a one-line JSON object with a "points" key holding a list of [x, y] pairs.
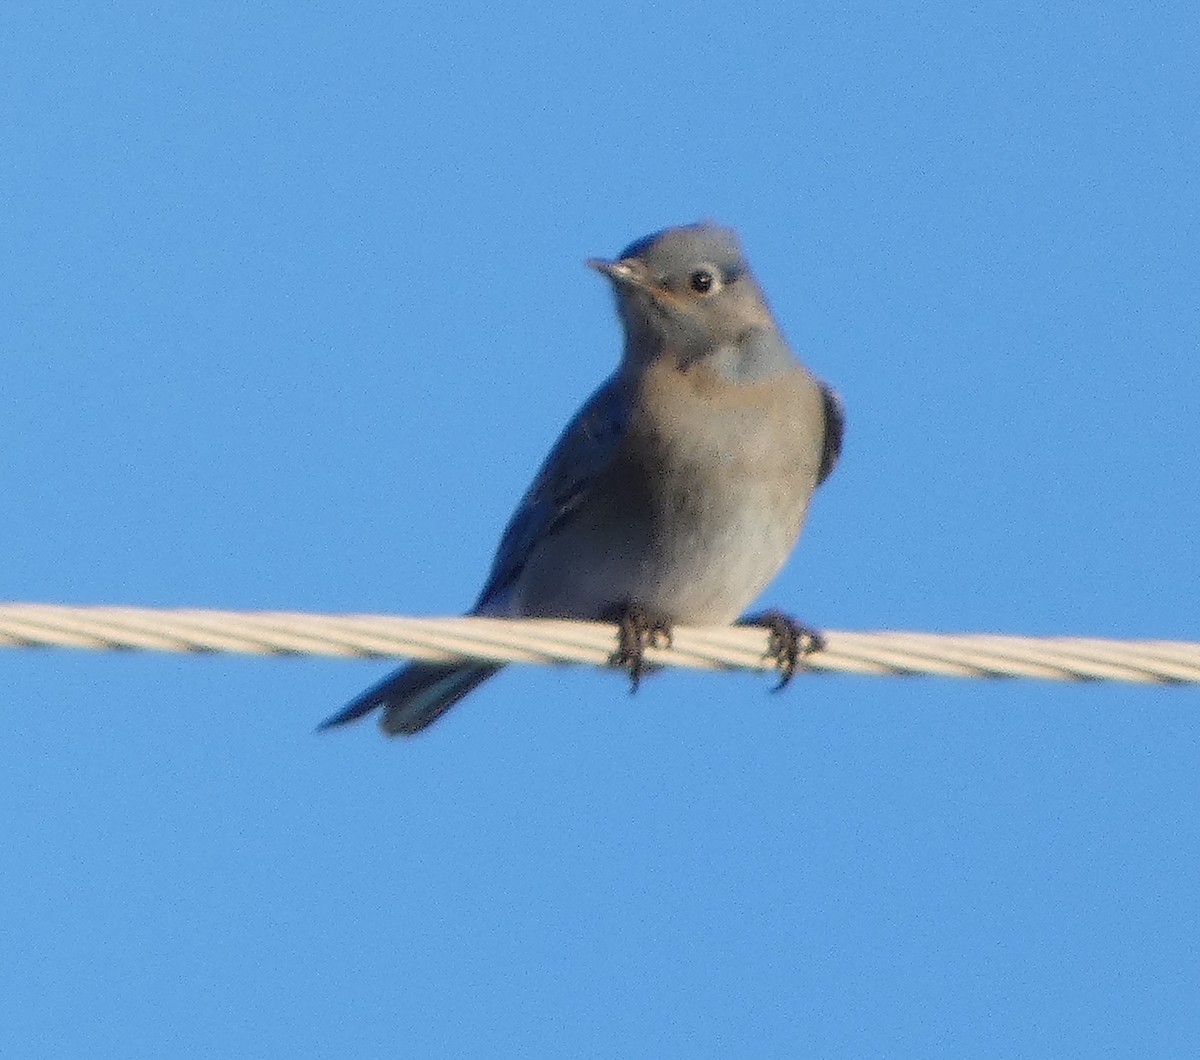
{"points": [[701, 281]]}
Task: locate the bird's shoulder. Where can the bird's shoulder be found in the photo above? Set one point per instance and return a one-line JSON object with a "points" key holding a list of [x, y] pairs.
{"points": [[835, 430]]}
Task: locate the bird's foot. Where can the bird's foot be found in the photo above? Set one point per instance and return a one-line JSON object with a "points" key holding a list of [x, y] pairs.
{"points": [[637, 631], [788, 643]]}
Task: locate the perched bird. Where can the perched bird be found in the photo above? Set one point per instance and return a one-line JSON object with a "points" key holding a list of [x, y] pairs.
{"points": [[679, 489]]}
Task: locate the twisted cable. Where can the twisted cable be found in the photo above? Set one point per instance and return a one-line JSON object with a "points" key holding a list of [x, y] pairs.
{"points": [[546, 641]]}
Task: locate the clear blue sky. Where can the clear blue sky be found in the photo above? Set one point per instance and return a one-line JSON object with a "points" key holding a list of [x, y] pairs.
{"points": [[291, 305]]}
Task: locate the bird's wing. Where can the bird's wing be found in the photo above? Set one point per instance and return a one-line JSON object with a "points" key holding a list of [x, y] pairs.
{"points": [[587, 446], [835, 428]]}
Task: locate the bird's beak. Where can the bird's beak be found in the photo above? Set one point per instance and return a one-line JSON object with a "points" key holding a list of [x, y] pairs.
{"points": [[626, 273]]}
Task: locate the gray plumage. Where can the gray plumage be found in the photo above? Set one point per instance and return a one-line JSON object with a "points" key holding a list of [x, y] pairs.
{"points": [[682, 484]]}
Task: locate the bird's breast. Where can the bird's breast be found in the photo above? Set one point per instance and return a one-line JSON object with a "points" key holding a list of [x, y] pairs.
{"points": [[724, 472], [697, 510]]}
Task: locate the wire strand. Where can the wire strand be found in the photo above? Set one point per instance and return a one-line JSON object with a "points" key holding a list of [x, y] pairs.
{"points": [[545, 641]]}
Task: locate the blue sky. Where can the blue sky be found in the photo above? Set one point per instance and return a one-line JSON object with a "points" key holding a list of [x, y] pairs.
{"points": [[292, 303]]}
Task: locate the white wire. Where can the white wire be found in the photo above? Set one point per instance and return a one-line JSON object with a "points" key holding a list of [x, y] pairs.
{"points": [[24, 625]]}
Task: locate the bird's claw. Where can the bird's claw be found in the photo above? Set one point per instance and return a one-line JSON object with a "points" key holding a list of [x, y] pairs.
{"points": [[638, 630], [788, 642]]}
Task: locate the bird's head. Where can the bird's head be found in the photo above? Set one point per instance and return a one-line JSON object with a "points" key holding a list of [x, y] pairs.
{"points": [[685, 292]]}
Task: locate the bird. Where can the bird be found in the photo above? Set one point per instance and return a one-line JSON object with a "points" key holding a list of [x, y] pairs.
{"points": [[678, 490]]}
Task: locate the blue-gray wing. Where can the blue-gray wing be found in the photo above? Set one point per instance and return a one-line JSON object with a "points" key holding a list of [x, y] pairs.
{"points": [[835, 429], [584, 449]]}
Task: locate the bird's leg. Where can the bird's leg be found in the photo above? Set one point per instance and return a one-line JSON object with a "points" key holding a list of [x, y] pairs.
{"points": [[788, 643], [637, 631]]}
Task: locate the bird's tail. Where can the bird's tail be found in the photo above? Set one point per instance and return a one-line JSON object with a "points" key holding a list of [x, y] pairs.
{"points": [[414, 696]]}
